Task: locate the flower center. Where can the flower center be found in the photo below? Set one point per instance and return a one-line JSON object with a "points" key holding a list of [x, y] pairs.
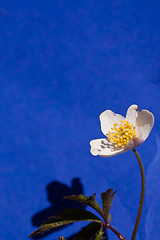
{"points": [[122, 133]]}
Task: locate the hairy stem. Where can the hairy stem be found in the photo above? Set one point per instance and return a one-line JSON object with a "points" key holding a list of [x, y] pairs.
{"points": [[142, 195], [119, 235]]}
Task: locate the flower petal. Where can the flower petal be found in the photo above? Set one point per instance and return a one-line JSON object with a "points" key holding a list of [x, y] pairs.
{"points": [[132, 114], [104, 148], [144, 124], [107, 119], [137, 141]]}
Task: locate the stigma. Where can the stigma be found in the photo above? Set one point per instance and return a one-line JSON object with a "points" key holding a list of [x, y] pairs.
{"points": [[122, 133]]}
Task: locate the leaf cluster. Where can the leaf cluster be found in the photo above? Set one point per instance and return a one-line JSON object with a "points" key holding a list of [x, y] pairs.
{"points": [[95, 229]]}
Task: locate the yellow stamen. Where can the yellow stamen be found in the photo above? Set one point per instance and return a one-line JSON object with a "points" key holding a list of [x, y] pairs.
{"points": [[122, 133]]}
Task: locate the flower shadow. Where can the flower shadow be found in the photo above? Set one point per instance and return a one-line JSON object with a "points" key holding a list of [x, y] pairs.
{"points": [[56, 192]]}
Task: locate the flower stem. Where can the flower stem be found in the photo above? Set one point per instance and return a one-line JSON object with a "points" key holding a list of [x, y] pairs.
{"points": [[119, 235], [142, 195]]}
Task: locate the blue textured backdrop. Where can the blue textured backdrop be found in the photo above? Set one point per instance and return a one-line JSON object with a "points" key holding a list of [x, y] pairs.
{"points": [[62, 64]]}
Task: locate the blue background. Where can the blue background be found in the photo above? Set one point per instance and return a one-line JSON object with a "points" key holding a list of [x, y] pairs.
{"points": [[62, 64]]}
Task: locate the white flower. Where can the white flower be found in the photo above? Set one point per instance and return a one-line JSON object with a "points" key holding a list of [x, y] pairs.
{"points": [[123, 134]]}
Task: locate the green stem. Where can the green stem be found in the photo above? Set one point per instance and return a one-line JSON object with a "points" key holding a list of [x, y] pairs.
{"points": [[142, 195]]}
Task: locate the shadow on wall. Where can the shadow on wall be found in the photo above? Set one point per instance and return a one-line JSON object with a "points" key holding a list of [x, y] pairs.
{"points": [[56, 191]]}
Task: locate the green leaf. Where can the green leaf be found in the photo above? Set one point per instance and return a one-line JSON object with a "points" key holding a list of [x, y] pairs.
{"points": [[88, 232], [66, 217], [99, 235], [107, 198], [91, 201]]}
